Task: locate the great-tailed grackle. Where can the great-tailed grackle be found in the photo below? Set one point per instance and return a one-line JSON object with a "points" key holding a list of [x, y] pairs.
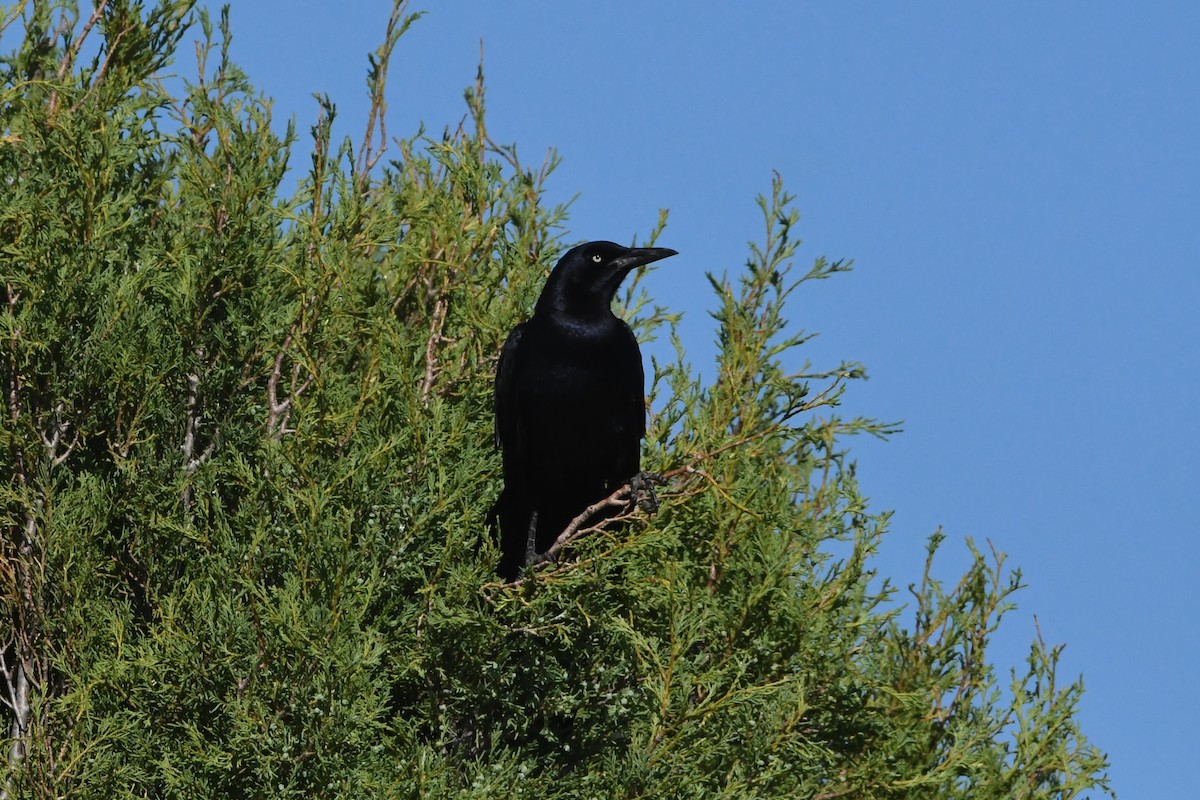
{"points": [[570, 403]]}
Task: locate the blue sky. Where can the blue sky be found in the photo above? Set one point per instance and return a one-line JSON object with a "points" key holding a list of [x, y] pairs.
{"points": [[1019, 186]]}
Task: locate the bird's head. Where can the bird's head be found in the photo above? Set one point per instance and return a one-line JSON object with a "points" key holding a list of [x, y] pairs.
{"points": [[587, 277]]}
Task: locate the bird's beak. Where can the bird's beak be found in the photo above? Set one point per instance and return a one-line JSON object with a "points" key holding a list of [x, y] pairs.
{"points": [[641, 256]]}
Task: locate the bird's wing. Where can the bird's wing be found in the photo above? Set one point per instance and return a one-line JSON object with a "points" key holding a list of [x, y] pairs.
{"points": [[505, 391], [511, 514], [630, 416], [641, 397]]}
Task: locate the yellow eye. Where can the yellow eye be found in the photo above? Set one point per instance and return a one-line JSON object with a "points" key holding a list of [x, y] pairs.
{"points": [[597, 258]]}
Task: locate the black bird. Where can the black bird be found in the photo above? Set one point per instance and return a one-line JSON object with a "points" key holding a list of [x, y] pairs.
{"points": [[570, 402]]}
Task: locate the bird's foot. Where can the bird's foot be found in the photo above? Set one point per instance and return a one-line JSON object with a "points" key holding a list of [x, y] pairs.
{"points": [[641, 489]]}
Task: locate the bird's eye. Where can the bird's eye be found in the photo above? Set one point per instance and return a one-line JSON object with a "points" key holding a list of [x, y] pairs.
{"points": [[597, 258]]}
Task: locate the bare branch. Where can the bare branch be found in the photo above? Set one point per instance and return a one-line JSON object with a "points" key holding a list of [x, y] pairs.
{"points": [[14, 388], [574, 530], [69, 57], [622, 496], [368, 155], [436, 326], [53, 439], [13, 13], [22, 709], [274, 406], [192, 462], [103, 71]]}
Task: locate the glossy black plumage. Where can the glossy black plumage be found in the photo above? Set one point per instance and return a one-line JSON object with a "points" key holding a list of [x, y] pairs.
{"points": [[569, 398]]}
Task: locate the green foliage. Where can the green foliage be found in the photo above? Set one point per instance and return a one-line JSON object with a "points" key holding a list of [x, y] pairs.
{"points": [[246, 459]]}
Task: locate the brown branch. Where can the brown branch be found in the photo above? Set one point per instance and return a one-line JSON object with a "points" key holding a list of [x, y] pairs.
{"points": [[21, 673], [52, 441], [368, 156], [189, 427], [575, 529], [437, 288], [103, 71], [437, 324], [14, 388], [18, 657], [18, 686], [274, 406], [192, 462], [618, 499], [279, 411], [69, 57], [621, 497], [14, 13]]}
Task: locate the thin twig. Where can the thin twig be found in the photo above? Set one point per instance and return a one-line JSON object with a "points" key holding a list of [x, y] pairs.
{"points": [[368, 155], [620, 498], [274, 406], [103, 71], [53, 441], [70, 56], [436, 326], [575, 529]]}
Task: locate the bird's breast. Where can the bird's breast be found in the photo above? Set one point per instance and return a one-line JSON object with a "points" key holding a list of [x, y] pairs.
{"points": [[576, 375]]}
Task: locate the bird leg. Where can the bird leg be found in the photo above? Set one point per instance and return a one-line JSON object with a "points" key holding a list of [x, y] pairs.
{"points": [[641, 490], [532, 556]]}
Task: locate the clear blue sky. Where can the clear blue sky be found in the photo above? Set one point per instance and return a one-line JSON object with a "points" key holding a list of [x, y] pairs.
{"points": [[1019, 186]]}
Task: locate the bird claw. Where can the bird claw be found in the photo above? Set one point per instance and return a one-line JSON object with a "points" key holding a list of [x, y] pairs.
{"points": [[641, 489]]}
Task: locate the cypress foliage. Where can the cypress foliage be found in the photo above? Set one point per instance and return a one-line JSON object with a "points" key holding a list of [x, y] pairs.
{"points": [[246, 457]]}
